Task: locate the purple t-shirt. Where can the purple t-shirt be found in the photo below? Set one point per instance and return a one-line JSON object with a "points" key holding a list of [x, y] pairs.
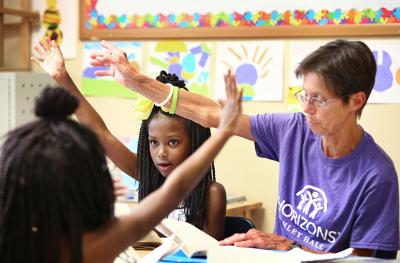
{"points": [[329, 204]]}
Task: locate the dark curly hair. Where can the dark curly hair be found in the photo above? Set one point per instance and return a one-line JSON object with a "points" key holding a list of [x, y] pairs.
{"points": [[151, 179], [54, 184]]}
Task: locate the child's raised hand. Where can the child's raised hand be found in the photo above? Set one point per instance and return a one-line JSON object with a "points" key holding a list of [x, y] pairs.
{"points": [[117, 61], [50, 58], [119, 188], [232, 106]]}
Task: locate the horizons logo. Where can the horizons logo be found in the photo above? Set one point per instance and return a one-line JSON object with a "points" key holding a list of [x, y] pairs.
{"points": [[312, 201]]}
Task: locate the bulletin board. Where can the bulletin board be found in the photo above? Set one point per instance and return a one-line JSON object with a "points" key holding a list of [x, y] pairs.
{"points": [[160, 19]]}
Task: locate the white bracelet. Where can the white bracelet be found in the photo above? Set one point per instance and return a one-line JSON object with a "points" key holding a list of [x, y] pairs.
{"points": [[171, 89]]}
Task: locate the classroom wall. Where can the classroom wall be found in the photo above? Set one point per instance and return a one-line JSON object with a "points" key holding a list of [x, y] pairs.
{"points": [[254, 177]]}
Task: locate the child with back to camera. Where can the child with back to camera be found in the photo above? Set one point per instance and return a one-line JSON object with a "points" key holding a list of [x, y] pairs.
{"points": [[165, 141], [56, 192]]}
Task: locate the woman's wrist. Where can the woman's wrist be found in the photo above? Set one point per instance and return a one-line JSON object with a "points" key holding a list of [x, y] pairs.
{"points": [[131, 77]]}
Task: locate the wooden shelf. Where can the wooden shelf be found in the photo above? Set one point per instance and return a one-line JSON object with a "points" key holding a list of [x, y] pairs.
{"points": [[242, 208], [26, 14], [28, 20]]}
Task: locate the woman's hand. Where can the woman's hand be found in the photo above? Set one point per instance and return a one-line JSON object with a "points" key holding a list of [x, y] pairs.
{"points": [[232, 105], [258, 239], [117, 61], [50, 58]]}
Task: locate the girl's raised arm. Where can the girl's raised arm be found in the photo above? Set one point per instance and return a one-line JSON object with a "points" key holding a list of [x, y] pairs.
{"points": [[50, 58]]}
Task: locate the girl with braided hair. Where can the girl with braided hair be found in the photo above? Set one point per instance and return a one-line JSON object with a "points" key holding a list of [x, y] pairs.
{"points": [[165, 141], [56, 192]]}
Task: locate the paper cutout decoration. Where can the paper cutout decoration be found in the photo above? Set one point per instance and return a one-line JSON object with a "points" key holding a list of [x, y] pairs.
{"points": [[293, 105], [106, 86], [190, 61], [257, 65]]}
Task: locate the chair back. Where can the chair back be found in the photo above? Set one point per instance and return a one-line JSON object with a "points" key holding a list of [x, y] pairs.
{"points": [[237, 224], [385, 254]]}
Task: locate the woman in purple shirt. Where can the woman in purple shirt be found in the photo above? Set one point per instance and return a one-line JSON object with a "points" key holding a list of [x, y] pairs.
{"points": [[337, 187]]}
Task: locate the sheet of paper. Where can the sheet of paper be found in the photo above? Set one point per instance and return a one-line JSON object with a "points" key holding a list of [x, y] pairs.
{"points": [[234, 254], [243, 255], [129, 255], [168, 246], [302, 255]]}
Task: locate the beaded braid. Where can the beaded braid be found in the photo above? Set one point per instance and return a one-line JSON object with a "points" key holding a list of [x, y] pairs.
{"points": [[150, 178]]}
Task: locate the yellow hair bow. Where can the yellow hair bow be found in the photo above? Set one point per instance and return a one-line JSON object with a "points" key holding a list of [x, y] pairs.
{"points": [[143, 108]]}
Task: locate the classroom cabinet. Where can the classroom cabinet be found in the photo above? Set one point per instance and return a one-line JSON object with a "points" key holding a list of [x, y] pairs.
{"points": [[18, 91]]}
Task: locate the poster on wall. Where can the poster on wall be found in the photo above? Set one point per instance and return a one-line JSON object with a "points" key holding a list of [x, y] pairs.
{"points": [[387, 56], [91, 85], [190, 61], [59, 21], [257, 65], [387, 81]]}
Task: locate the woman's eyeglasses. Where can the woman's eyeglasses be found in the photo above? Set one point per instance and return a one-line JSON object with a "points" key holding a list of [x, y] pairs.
{"points": [[302, 97]]}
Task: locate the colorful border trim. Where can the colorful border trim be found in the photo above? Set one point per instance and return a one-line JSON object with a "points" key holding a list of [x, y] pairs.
{"points": [[94, 20]]}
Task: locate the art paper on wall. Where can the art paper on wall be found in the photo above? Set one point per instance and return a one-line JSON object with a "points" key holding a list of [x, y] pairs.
{"points": [[190, 61], [292, 104], [107, 86], [387, 81], [387, 56], [257, 65], [59, 22]]}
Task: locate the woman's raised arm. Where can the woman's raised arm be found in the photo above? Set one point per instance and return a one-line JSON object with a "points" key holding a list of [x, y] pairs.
{"points": [[195, 107]]}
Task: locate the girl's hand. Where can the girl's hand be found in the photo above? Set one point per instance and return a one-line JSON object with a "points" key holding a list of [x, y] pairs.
{"points": [[116, 60], [120, 189], [232, 106], [50, 58]]}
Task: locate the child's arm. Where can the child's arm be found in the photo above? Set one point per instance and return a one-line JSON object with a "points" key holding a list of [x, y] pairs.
{"points": [[214, 221], [123, 231], [195, 107], [51, 60]]}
